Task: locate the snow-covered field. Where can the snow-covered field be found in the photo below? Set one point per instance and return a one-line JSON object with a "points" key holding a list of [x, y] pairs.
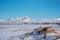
{"points": [[16, 32]]}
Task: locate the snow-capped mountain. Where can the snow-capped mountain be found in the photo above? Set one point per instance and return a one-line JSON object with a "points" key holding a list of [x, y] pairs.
{"points": [[56, 20], [17, 20], [28, 20], [22, 19], [41, 33], [14, 19]]}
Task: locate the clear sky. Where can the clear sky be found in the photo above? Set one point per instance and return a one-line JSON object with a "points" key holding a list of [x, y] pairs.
{"points": [[36, 9]]}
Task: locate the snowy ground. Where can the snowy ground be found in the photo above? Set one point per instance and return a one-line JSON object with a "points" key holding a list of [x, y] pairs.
{"points": [[15, 32]]}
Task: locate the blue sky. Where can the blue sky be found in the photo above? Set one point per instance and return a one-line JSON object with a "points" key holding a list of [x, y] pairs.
{"points": [[36, 9]]}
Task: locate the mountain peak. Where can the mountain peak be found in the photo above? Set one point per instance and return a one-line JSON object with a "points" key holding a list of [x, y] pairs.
{"points": [[26, 19]]}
